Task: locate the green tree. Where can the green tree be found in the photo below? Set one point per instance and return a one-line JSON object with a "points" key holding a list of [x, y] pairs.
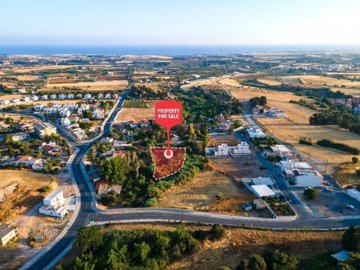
{"points": [[355, 159], [311, 193], [277, 260], [254, 262], [141, 252], [353, 263], [351, 239], [89, 238]]}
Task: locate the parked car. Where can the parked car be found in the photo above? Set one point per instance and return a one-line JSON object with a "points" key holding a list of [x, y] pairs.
{"points": [[351, 207]]}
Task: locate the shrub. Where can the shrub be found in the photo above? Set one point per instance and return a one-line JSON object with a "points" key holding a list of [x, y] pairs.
{"points": [[217, 232], [351, 239], [339, 146], [311, 193], [355, 159]]}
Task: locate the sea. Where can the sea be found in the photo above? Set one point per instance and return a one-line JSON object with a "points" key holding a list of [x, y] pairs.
{"points": [[166, 50]]}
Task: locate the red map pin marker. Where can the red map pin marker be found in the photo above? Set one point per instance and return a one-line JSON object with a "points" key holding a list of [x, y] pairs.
{"points": [[168, 113]]}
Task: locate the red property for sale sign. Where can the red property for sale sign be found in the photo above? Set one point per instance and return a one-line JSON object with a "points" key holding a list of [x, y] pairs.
{"points": [[168, 113]]}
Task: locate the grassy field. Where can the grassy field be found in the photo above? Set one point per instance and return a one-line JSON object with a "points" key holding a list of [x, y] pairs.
{"points": [[88, 86], [240, 243], [137, 114], [19, 191]]}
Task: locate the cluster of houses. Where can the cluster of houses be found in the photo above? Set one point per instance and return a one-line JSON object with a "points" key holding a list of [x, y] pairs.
{"points": [[67, 110], [85, 96], [51, 150], [299, 173]]}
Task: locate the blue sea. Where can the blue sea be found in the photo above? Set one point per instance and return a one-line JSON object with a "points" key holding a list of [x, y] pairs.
{"points": [[165, 50]]}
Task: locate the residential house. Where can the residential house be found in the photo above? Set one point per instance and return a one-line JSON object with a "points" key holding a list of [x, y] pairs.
{"points": [[98, 113], [224, 149], [34, 98], [261, 191], [44, 97], [65, 121], [54, 205], [27, 161], [255, 133], [53, 96]]}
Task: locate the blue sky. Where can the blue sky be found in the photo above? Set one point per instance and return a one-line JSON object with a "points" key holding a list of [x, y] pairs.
{"points": [[179, 22]]}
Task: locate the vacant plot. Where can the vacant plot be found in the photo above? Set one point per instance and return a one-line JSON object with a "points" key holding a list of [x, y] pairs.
{"points": [[137, 103], [157, 86], [239, 167], [215, 140], [88, 86], [137, 114], [21, 190], [210, 191]]}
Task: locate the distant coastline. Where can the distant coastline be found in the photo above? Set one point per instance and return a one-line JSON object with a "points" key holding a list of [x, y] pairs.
{"points": [[166, 50]]}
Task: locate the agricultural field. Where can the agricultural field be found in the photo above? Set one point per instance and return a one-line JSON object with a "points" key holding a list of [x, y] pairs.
{"points": [[21, 190], [87, 86], [344, 85], [156, 86], [209, 191], [137, 114]]}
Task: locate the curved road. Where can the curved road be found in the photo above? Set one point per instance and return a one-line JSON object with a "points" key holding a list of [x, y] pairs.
{"points": [[88, 211]]}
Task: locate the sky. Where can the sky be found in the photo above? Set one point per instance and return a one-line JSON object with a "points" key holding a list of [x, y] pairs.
{"points": [[179, 22]]}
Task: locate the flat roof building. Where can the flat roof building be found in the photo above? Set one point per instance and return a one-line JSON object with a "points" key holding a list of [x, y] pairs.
{"points": [[7, 233]]}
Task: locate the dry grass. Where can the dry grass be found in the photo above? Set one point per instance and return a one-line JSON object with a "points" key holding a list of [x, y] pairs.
{"points": [[210, 191], [240, 167], [40, 68], [137, 114], [9, 97], [88, 86], [26, 195], [27, 77], [346, 174], [270, 81]]}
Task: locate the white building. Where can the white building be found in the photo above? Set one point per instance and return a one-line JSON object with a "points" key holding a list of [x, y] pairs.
{"points": [[53, 96], [224, 149], [87, 96], [65, 121], [15, 100], [19, 136], [7, 233], [35, 98], [62, 96], [98, 114], [44, 97], [4, 102], [276, 113], [54, 205], [262, 191], [256, 133], [308, 179], [71, 96]]}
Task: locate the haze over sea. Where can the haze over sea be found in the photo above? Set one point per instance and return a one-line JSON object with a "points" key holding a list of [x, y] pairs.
{"points": [[165, 50]]}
